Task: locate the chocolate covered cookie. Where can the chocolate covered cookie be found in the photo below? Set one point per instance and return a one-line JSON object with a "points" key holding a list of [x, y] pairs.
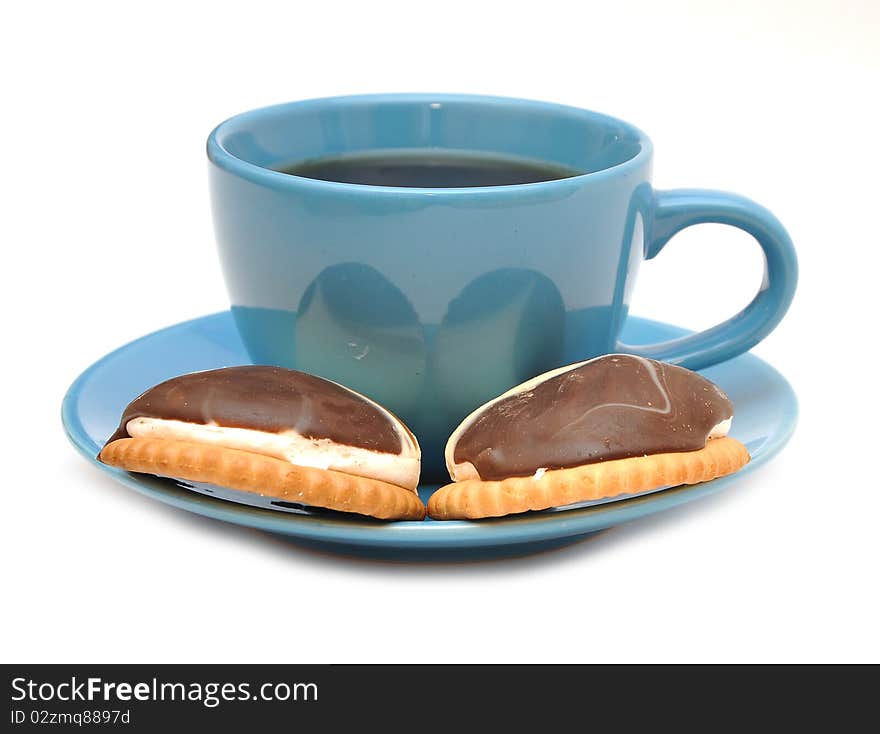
{"points": [[617, 424], [276, 432]]}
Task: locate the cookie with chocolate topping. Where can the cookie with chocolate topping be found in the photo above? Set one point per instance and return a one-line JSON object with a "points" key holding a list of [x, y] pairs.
{"points": [[275, 432], [618, 424]]}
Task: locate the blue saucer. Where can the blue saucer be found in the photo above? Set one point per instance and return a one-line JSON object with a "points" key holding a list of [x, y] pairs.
{"points": [[766, 413]]}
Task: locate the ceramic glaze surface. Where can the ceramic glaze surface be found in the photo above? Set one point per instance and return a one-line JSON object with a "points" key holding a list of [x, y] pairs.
{"points": [[434, 300], [765, 416]]}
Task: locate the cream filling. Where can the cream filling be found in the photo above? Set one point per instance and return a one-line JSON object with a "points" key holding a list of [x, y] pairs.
{"points": [[465, 470], [722, 429], [321, 453]]}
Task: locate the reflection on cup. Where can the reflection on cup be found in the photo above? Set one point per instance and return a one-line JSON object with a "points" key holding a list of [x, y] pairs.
{"points": [[356, 327], [503, 328]]}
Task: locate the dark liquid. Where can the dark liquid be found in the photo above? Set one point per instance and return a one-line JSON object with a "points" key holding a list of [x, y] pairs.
{"points": [[428, 169]]}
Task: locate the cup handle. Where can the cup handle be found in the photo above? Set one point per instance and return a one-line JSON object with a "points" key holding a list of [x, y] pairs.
{"points": [[675, 210]]}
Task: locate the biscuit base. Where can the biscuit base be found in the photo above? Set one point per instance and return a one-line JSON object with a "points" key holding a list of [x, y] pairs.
{"points": [[472, 499], [247, 471]]}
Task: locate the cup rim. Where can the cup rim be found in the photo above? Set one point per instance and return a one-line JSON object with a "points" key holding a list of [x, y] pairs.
{"points": [[220, 156]]}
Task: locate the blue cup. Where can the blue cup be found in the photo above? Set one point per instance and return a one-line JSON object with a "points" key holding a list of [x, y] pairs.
{"points": [[434, 300]]}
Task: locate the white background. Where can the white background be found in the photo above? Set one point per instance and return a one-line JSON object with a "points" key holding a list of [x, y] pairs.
{"points": [[106, 235]]}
